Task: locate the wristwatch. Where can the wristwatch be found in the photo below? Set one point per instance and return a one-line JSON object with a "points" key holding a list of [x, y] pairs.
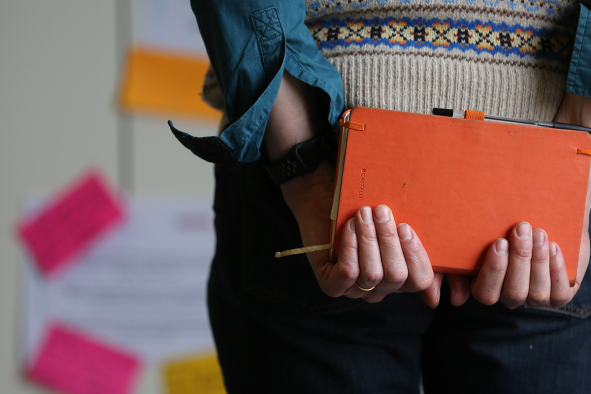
{"points": [[303, 158]]}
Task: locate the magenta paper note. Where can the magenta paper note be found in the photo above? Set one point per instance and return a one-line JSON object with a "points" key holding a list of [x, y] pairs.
{"points": [[73, 363], [67, 226]]}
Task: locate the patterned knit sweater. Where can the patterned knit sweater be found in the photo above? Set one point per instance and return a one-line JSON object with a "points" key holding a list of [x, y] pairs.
{"points": [[504, 57]]}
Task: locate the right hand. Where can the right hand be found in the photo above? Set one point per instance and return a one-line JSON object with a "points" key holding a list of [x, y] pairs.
{"points": [[374, 250], [374, 254]]}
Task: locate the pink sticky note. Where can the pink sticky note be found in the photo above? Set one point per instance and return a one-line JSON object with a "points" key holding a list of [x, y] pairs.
{"points": [[74, 363], [67, 226]]}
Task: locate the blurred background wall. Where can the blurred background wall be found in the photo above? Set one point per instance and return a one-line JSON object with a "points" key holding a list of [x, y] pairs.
{"points": [[60, 67]]}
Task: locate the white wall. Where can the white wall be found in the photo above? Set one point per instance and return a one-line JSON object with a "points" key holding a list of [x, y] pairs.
{"points": [[59, 70]]}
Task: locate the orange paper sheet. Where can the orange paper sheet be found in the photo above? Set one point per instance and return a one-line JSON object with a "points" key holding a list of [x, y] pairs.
{"points": [[462, 184], [165, 82]]}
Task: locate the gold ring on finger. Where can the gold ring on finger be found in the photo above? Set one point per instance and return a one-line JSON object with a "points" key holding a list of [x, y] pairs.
{"points": [[363, 288]]}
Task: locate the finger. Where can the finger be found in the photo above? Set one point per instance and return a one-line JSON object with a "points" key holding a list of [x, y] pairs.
{"points": [[420, 272], [432, 294], [460, 288], [539, 281], [561, 293], [393, 264], [342, 275], [370, 263], [516, 285], [487, 286]]}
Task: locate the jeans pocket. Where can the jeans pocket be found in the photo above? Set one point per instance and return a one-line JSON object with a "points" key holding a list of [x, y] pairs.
{"points": [[269, 226]]}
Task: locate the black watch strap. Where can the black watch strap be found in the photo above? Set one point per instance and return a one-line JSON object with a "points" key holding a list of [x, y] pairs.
{"points": [[302, 159]]}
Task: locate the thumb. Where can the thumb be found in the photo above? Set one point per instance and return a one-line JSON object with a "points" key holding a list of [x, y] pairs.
{"points": [[431, 294], [460, 286]]}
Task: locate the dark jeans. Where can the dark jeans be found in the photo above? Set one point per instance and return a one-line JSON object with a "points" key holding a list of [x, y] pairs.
{"points": [[276, 332]]}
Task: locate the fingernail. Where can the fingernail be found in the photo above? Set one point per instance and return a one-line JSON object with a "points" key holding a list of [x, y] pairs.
{"points": [[524, 231], [553, 249], [352, 225], [539, 238], [383, 213], [404, 232], [366, 215], [502, 246], [438, 297]]}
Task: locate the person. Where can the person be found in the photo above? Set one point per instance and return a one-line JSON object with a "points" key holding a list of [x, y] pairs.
{"points": [[307, 325]]}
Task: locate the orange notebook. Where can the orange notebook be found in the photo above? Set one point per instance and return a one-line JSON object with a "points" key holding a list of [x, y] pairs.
{"points": [[461, 184]]}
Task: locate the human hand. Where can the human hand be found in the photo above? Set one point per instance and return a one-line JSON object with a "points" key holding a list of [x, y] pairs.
{"points": [[529, 269], [375, 252]]}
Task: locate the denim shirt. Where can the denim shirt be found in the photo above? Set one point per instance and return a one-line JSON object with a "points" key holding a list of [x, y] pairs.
{"points": [[251, 43], [579, 72]]}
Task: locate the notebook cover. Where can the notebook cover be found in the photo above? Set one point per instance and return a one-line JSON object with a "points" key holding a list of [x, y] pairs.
{"points": [[462, 184]]}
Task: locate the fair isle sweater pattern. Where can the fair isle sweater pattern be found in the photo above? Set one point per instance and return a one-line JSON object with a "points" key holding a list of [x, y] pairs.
{"points": [[315, 8], [530, 33], [478, 36]]}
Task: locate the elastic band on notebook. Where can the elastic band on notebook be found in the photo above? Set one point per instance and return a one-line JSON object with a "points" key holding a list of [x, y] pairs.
{"points": [[307, 249], [474, 115], [583, 152], [352, 125]]}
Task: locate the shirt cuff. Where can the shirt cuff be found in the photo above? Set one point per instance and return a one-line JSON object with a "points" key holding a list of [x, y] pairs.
{"points": [[287, 46], [579, 73]]}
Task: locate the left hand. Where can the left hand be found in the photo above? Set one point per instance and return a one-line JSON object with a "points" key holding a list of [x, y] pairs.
{"points": [[528, 269]]}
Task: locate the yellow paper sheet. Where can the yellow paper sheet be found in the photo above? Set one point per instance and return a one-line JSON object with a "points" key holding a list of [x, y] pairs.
{"points": [[199, 374], [165, 83]]}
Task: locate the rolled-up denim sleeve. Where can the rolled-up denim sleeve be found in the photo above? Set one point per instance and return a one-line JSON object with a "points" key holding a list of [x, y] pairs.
{"points": [[250, 43], [579, 73]]}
